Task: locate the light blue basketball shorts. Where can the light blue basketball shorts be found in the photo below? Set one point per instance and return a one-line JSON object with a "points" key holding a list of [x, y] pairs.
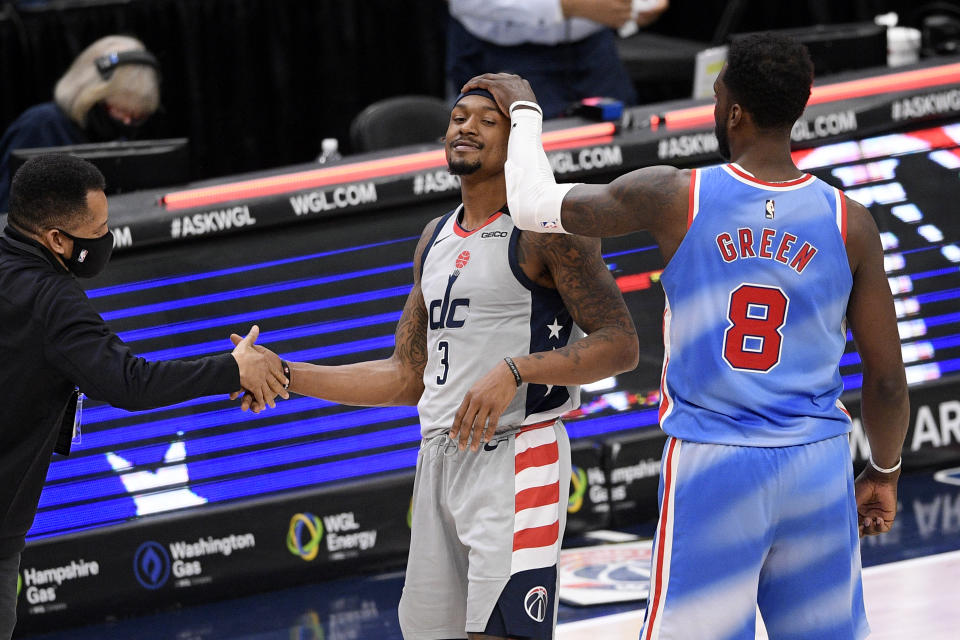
{"points": [[747, 526]]}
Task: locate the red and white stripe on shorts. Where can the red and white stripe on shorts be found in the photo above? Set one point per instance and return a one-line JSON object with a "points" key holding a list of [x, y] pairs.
{"points": [[663, 547], [536, 525]]}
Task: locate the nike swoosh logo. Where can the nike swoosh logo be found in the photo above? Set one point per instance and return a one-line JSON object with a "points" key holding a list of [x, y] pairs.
{"points": [[442, 239], [490, 446]]}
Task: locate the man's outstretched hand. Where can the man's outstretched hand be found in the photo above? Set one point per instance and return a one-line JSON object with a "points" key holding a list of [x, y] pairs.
{"points": [[261, 374]]}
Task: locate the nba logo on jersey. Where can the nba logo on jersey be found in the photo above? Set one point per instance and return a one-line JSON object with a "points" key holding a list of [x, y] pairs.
{"points": [[769, 207]]}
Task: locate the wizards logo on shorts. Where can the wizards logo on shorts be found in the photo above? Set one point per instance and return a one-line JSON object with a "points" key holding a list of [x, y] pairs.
{"points": [[535, 603]]}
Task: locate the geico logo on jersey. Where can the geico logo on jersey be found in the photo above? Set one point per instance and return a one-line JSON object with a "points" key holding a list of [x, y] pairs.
{"points": [[494, 234]]}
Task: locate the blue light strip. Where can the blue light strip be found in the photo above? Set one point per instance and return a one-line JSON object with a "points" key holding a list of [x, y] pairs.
{"points": [[608, 424], [269, 337], [852, 382], [202, 470], [938, 296], [111, 438], [253, 317], [948, 318], [305, 355], [933, 273], [105, 512], [174, 280], [166, 282], [260, 436], [949, 366], [944, 342], [629, 251], [120, 509], [247, 292], [319, 353], [105, 413], [262, 289]]}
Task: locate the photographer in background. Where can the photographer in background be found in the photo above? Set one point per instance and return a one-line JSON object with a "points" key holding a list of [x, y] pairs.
{"points": [[108, 92]]}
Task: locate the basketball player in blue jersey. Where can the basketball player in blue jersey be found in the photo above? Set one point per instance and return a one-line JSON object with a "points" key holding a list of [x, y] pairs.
{"points": [[492, 339], [766, 266]]}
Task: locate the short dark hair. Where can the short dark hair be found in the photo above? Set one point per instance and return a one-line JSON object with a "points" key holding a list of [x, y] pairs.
{"points": [[770, 76], [50, 190]]}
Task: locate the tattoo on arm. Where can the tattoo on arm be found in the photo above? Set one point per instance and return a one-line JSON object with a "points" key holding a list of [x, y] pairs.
{"points": [[637, 201], [574, 266], [411, 335]]}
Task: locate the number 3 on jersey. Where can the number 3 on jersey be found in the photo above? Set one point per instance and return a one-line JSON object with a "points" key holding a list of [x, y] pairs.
{"points": [[753, 340], [444, 347]]}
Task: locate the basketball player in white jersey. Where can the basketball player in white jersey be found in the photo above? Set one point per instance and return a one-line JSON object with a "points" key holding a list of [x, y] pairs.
{"points": [[766, 268], [493, 327]]}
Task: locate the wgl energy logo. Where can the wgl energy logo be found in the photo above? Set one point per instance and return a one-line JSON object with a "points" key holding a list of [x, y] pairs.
{"points": [[151, 565], [303, 537], [343, 536]]}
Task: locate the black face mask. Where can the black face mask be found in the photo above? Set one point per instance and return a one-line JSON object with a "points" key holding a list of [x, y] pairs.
{"points": [[103, 128], [90, 255]]}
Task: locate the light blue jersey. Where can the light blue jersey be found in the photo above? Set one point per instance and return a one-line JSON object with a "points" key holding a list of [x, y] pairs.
{"points": [[754, 322]]}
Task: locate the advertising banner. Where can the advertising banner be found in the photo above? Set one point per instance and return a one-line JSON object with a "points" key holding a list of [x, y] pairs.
{"points": [[215, 552], [933, 435], [632, 464], [589, 504]]}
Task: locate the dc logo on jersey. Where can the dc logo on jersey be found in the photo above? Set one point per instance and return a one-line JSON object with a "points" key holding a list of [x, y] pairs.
{"points": [[535, 602], [463, 259], [444, 313]]}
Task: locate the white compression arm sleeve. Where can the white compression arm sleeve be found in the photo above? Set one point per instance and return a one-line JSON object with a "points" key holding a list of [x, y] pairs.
{"points": [[533, 195]]}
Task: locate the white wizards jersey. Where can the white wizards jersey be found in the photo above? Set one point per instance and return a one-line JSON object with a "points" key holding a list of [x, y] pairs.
{"points": [[481, 307]]}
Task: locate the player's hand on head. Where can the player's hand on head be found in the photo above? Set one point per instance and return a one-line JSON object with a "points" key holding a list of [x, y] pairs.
{"points": [[479, 414], [876, 495], [506, 88]]}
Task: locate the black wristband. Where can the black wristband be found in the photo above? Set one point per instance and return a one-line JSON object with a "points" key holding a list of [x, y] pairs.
{"points": [[514, 370], [286, 373]]}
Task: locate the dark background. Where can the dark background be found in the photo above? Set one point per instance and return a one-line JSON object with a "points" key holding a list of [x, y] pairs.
{"points": [[258, 83]]}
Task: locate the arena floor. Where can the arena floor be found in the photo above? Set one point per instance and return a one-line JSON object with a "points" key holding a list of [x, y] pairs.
{"points": [[909, 580]]}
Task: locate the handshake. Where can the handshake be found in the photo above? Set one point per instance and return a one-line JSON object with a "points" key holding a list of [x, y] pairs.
{"points": [[261, 373]]}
